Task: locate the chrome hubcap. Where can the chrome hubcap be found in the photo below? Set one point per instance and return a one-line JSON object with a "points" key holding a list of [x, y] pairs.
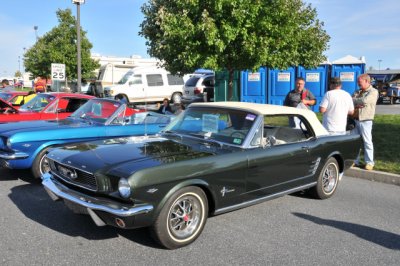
{"points": [[330, 178], [185, 217], [44, 165]]}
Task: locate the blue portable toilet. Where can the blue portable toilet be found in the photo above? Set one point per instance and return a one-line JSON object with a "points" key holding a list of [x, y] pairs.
{"points": [[253, 86], [280, 82], [348, 69], [316, 81]]}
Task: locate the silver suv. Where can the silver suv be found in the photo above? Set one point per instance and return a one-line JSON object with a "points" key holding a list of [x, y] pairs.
{"points": [[197, 88]]}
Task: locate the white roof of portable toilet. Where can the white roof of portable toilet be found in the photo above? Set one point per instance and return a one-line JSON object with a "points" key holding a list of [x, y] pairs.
{"points": [[348, 59]]}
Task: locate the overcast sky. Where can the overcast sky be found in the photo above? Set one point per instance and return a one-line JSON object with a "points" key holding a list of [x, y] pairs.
{"points": [[367, 28]]}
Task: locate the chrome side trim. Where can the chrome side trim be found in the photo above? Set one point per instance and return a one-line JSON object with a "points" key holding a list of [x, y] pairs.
{"points": [[255, 201], [13, 156], [63, 192]]}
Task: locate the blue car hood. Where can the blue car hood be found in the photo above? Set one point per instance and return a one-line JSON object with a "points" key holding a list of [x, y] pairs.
{"points": [[122, 157], [8, 129]]}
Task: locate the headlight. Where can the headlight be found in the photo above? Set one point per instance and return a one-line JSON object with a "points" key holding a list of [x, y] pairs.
{"points": [[111, 92], [124, 188]]}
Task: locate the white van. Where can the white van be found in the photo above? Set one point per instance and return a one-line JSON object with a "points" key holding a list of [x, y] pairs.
{"points": [[148, 84]]}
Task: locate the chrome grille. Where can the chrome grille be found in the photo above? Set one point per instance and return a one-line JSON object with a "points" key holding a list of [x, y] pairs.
{"points": [[79, 178]]}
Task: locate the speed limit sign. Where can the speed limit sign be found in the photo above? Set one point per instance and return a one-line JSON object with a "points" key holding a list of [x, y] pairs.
{"points": [[57, 71]]}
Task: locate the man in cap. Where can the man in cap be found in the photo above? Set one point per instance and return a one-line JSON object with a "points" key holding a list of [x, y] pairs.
{"points": [[335, 106]]}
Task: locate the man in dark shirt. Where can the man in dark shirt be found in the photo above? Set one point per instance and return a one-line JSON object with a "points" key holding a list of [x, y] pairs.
{"points": [[300, 95]]}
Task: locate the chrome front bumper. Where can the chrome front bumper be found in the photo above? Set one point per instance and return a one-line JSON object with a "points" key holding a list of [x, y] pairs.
{"points": [[58, 191], [13, 156]]}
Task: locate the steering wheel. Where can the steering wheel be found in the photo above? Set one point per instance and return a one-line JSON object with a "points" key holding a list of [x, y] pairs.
{"points": [[238, 134]]}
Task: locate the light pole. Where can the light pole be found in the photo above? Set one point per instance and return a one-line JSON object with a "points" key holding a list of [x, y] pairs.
{"points": [[23, 57], [36, 28], [78, 40], [379, 64]]}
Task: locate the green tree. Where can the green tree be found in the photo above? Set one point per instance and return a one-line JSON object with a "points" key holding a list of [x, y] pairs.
{"points": [[59, 46], [18, 74], [233, 34]]}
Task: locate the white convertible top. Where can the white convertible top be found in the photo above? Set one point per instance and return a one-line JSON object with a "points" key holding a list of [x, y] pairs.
{"points": [[269, 109]]}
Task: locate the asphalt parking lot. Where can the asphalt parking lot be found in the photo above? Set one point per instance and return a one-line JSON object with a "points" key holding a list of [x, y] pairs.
{"points": [[359, 225]]}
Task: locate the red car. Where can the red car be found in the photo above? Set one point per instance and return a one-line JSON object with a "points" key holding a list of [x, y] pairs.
{"points": [[15, 98], [45, 106]]}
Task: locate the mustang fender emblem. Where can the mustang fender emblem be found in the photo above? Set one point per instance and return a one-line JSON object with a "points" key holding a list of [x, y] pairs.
{"points": [[152, 190]]}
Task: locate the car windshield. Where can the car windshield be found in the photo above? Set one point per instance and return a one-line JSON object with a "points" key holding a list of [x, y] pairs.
{"points": [[5, 96], [225, 126], [97, 110], [125, 78], [38, 103]]}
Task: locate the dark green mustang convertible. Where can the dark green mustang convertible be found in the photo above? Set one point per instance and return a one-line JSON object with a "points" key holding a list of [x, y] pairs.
{"points": [[213, 158]]}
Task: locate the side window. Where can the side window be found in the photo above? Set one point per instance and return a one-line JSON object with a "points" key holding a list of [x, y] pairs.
{"points": [[282, 129], [208, 82], [174, 80], [136, 79], [154, 80]]}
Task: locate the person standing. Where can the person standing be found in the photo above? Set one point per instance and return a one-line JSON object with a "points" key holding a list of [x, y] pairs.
{"points": [[335, 106], [5, 86], [365, 103], [40, 85], [300, 95], [165, 108]]}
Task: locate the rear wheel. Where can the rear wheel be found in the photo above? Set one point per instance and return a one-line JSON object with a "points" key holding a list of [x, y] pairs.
{"points": [[176, 97], [182, 218], [40, 164], [328, 180]]}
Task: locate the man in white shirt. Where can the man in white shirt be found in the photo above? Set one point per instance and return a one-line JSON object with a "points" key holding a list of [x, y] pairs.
{"points": [[336, 105]]}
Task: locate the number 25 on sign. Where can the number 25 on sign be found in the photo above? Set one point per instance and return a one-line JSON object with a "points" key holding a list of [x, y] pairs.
{"points": [[57, 71]]}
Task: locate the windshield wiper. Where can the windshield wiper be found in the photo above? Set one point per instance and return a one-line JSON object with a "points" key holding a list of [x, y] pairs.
{"points": [[212, 141], [172, 133]]}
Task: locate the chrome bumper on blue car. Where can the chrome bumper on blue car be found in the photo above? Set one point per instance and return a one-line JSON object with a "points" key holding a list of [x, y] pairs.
{"points": [[13, 156], [58, 191]]}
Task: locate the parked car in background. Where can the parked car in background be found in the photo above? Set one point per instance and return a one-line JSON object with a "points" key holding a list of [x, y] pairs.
{"points": [[15, 98], [24, 144], [393, 93], [211, 159], [147, 84], [44, 106], [199, 88]]}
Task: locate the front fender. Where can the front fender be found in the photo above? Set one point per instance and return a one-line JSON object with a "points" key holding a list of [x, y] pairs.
{"points": [[192, 182]]}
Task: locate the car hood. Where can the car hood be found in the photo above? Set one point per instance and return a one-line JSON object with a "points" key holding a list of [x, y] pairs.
{"points": [[124, 156], [8, 129]]}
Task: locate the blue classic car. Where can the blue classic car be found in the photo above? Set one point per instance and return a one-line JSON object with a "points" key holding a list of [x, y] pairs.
{"points": [[24, 144], [213, 158]]}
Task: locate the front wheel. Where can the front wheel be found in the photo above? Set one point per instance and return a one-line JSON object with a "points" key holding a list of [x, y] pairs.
{"points": [[327, 180], [182, 218], [40, 164]]}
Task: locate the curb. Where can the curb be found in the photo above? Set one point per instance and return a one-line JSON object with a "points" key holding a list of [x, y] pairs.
{"points": [[373, 175]]}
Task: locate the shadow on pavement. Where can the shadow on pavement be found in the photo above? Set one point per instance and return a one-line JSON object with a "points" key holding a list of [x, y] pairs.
{"points": [[35, 204], [377, 236], [14, 174]]}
